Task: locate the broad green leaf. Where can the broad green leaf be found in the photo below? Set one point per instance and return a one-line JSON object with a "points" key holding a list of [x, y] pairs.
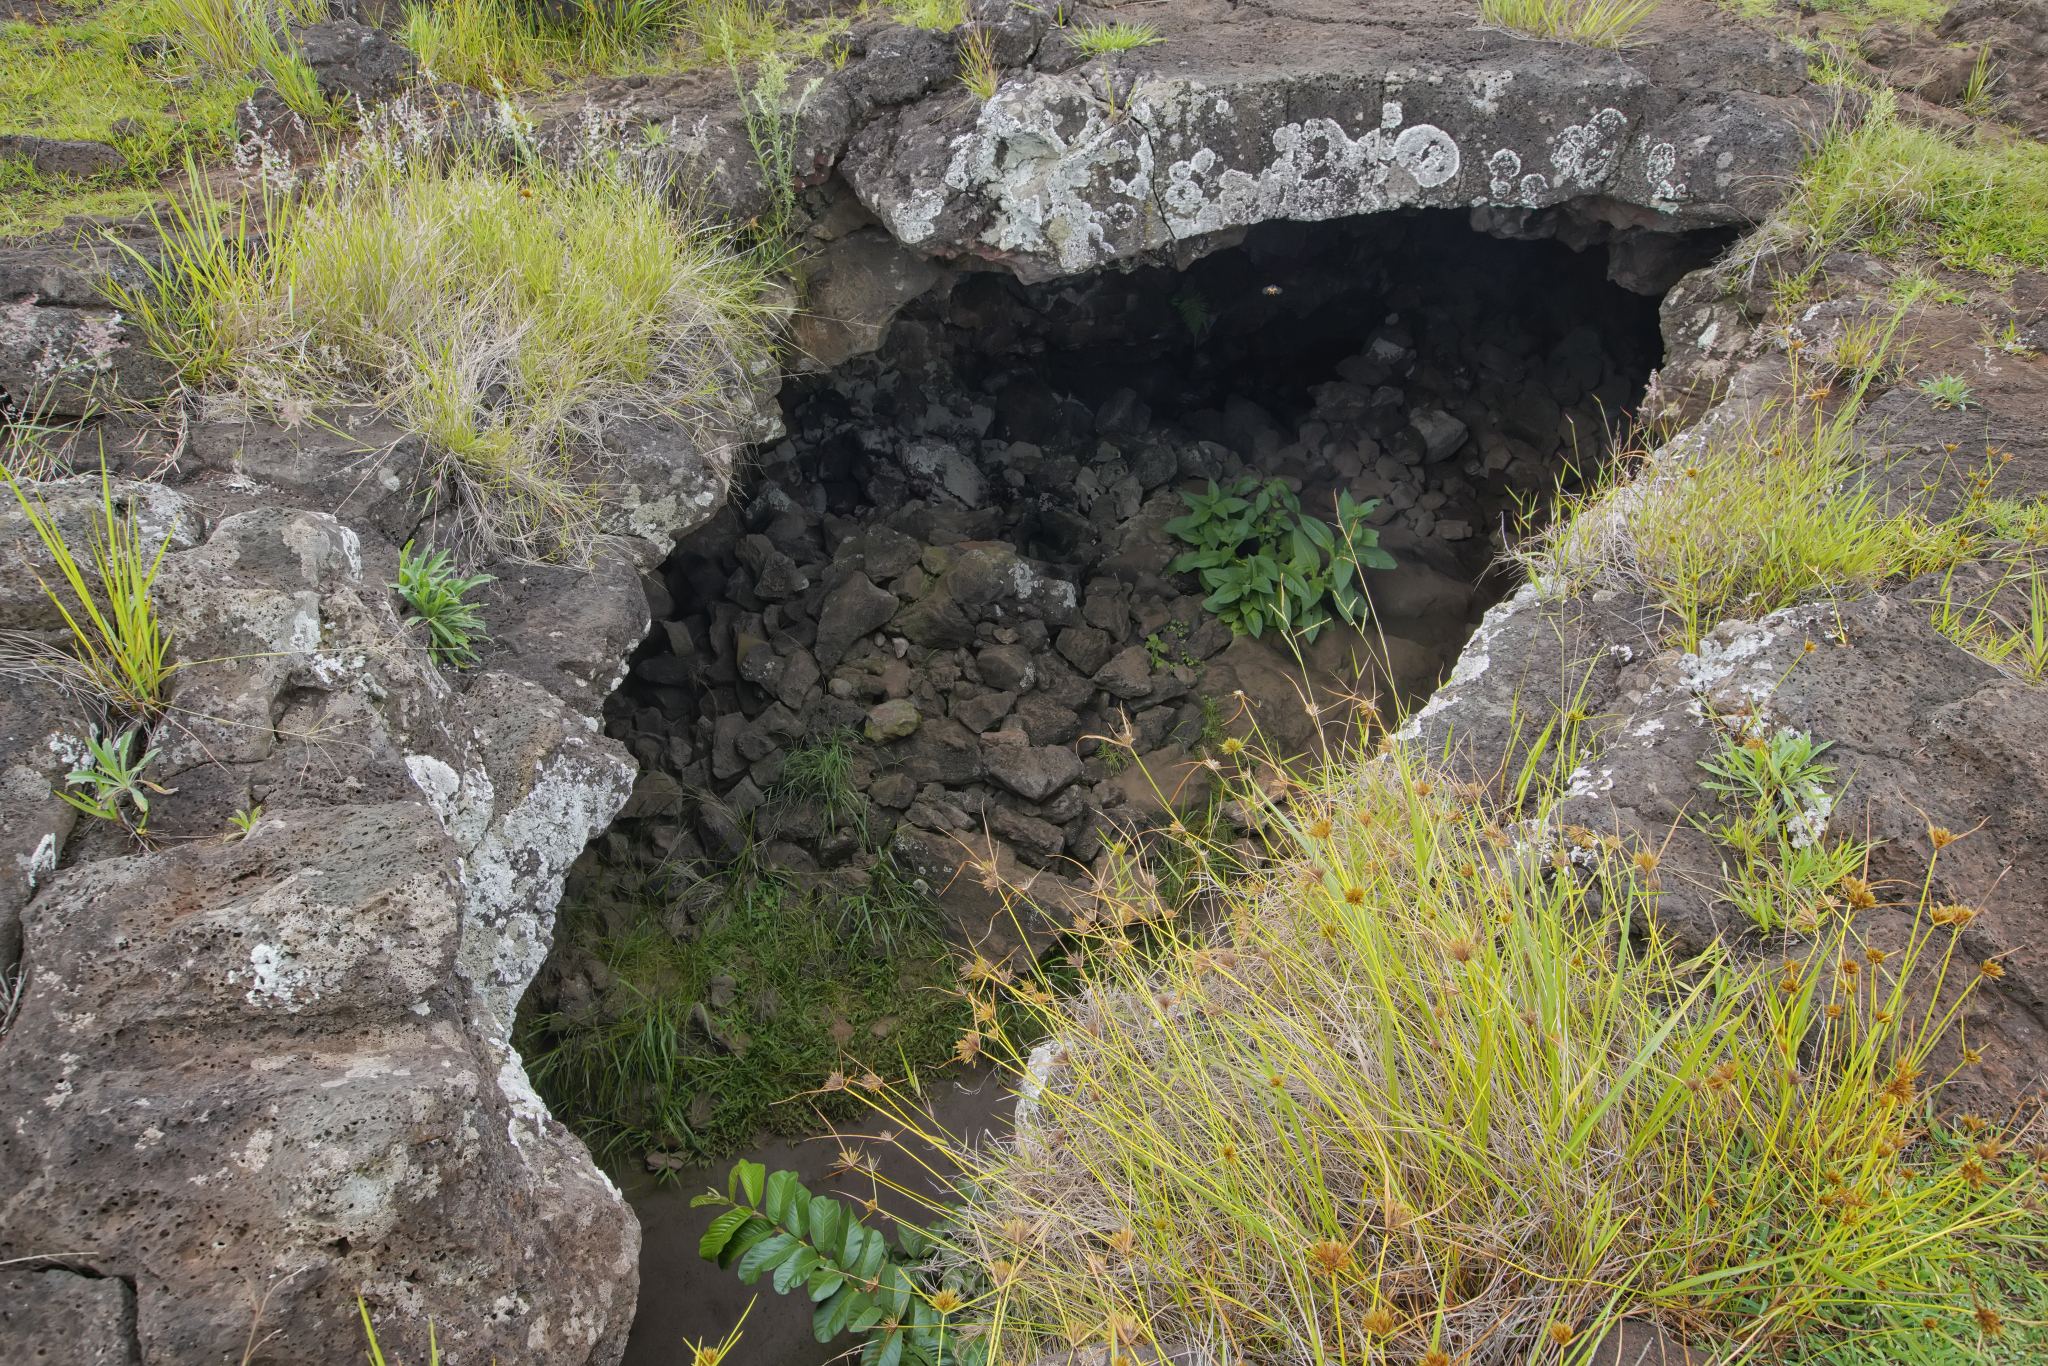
{"points": [[797, 1267], [720, 1233], [867, 1318], [872, 1254], [892, 1349], [911, 1238], [751, 1233], [824, 1281], [764, 1254], [850, 1245], [824, 1222], [829, 1315], [749, 1175], [783, 1191]]}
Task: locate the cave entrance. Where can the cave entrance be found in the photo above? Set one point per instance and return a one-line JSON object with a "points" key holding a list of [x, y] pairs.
{"points": [[891, 662]]}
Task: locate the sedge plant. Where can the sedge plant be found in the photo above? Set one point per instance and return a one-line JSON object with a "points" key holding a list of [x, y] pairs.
{"points": [[115, 649], [1433, 1085]]}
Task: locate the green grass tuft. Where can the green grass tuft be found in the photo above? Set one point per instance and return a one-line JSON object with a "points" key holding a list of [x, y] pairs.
{"points": [[503, 317], [1889, 187], [809, 1003], [1591, 23], [1098, 40]]}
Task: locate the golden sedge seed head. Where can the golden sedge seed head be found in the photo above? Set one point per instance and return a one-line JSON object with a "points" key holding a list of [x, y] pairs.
{"points": [[1561, 1334], [1329, 1256], [1379, 1321], [1461, 949], [1320, 830], [947, 1300], [1355, 895], [1991, 968], [1940, 836]]}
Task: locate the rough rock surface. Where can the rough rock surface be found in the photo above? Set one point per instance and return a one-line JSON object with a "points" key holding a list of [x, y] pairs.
{"points": [[1253, 112], [1923, 733], [284, 1060]]}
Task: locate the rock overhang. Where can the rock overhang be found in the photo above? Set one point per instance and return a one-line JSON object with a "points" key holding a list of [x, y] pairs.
{"points": [[1168, 151]]}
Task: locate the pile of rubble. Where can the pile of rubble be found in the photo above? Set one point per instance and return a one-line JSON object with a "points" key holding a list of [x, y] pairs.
{"points": [[959, 565]]}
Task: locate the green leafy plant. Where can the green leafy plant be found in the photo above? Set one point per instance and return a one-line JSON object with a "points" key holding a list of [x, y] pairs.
{"points": [[118, 653], [1193, 309], [772, 119], [1781, 801], [435, 592], [114, 776], [905, 1298], [1947, 391], [1097, 40], [1265, 565]]}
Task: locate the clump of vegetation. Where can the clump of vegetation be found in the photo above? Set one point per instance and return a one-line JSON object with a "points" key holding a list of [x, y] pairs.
{"points": [[131, 74], [978, 69], [1743, 518], [112, 781], [505, 318], [1099, 40], [1779, 799], [1438, 1089], [1947, 391], [115, 651], [910, 1309], [1266, 565], [1888, 187], [1591, 23], [735, 1004], [435, 591]]}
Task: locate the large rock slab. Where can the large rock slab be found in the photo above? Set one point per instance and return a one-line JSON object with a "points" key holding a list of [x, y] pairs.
{"points": [[1243, 115], [258, 1056]]}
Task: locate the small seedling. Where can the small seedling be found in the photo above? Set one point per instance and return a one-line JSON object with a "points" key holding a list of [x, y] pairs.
{"points": [[112, 779], [434, 591], [2008, 339], [244, 823], [1947, 391], [1097, 40]]}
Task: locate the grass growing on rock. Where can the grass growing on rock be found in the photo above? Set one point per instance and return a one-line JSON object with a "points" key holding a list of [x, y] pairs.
{"points": [[1590, 23], [506, 318], [1891, 187], [1745, 516], [1436, 1089], [119, 74], [639, 1070]]}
